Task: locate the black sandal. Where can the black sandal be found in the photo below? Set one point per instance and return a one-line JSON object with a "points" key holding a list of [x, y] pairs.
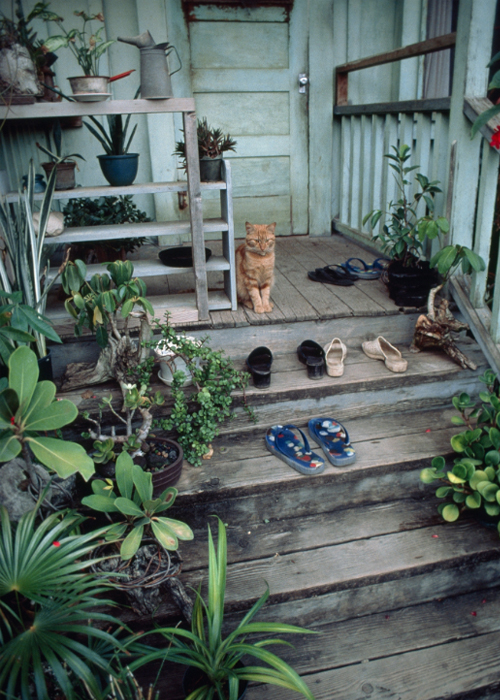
{"points": [[328, 275], [313, 356], [259, 365]]}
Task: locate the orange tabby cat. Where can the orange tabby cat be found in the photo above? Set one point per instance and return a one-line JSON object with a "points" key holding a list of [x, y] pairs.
{"points": [[255, 267]]}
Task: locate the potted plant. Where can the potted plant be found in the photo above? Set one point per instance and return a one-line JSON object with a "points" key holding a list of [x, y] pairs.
{"points": [[87, 47], [473, 482], [98, 212], [24, 265], [403, 236], [48, 597], [212, 143], [24, 66], [118, 166], [15, 319], [139, 531], [196, 417], [28, 411], [65, 167], [215, 669]]}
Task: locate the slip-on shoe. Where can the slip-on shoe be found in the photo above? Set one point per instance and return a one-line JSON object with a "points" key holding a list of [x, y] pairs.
{"points": [[311, 354], [259, 365]]}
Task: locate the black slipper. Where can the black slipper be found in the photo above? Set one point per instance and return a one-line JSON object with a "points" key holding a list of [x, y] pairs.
{"points": [[342, 271], [329, 276], [259, 365], [311, 354]]}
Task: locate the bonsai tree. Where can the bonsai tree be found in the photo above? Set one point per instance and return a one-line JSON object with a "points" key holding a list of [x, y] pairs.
{"points": [[28, 410], [473, 481]]}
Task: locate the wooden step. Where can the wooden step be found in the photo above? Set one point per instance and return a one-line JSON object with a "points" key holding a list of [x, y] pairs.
{"points": [[410, 653]]}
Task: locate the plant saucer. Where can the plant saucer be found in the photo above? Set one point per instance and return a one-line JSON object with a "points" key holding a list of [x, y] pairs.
{"points": [[91, 96]]}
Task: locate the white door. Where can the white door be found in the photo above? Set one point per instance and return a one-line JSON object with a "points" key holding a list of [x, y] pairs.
{"points": [[245, 66]]}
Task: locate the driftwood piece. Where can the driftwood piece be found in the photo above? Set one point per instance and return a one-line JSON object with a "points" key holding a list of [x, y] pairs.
{"points": [[435, 329]]}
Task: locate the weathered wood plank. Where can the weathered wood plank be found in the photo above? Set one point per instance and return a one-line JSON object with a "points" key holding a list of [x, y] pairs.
{"points": [[415, 675]]}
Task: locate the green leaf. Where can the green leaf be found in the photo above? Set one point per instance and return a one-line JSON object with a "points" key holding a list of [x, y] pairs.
{"points": [[473, 501], [484, 119], [165, 536], [100, 503], [180, 529], [23, 374], [143, 482], [450, 512], [10, 447], [428, 475], [477, 478], [124, 474], [9, 403], [455, 479], [131, 543], [492, 458], [64, 457], [492, 509], [51, 417], [488, 491], [494, 435], [443, 491], [128, 507]]}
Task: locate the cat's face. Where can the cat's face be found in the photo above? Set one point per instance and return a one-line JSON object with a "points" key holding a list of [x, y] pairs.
{"points": [[260, 238]]}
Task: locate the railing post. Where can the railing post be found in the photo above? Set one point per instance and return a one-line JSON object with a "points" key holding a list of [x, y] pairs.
{"points": [[472, 54]]}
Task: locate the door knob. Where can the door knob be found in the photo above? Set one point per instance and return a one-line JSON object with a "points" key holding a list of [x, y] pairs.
{"points": [[303, 82]]}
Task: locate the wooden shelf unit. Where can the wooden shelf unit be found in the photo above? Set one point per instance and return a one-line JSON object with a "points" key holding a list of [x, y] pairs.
{"points": [[196, 225]]}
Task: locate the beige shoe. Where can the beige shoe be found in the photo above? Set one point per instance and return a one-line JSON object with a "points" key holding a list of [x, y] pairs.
{"points": [[335, 353], [381, 349]]}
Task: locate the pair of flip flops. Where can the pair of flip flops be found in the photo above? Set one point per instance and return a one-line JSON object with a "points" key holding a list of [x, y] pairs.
{"points": [[289, 443], [333, 274], [363, 270]]}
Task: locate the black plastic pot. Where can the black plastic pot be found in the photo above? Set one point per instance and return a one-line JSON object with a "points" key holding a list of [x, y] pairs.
{"points": [[45, 367], [210, 169], [194, 678], [410, 285]]}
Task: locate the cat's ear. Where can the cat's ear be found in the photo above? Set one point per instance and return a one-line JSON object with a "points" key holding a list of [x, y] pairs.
{"points": [[249, 227], [271, 227]]}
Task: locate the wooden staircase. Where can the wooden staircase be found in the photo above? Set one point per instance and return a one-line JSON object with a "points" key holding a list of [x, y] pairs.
{"points": [[408, 606]]}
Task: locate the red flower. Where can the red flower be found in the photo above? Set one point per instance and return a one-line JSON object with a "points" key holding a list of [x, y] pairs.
{"points": [[56, 543], [495, 139], [12, 420]]}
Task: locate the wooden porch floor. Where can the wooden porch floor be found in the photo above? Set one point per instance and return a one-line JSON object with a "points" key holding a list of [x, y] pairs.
{"points": [[295, 296]]}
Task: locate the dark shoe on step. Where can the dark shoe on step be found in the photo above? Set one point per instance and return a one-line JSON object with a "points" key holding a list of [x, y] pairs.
{"points": [[259, 365], [312, 355], [332, 274]]}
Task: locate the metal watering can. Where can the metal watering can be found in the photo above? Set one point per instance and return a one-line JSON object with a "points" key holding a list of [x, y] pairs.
{"points": [[155, 76]]}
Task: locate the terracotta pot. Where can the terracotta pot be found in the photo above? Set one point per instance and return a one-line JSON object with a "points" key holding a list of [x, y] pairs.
{"points": [[65, 179]]}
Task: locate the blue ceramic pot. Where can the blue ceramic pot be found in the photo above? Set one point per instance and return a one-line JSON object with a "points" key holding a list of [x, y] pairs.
{"points": [[119, 170]]}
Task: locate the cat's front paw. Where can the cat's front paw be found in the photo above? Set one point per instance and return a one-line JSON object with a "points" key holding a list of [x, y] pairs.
{"points": [[268, 307], [259, 309]]}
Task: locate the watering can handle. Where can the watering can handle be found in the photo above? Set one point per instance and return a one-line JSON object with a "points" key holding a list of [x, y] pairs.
{"points": [[168, 47]]}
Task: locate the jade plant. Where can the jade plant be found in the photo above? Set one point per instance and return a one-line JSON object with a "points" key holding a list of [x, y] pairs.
{"points": [[473, 481], [197, 416], [28, 411], [134, 511]]}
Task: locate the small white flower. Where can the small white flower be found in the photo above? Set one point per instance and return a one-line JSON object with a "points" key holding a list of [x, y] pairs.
{"points": [[129, 387]]}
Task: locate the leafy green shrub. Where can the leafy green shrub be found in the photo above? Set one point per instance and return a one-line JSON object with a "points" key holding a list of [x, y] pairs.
{"points": [[196, 417], [473, 482], [103, 211]]}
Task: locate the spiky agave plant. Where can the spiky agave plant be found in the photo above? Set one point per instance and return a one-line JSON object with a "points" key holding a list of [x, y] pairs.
{"points": [[219, 659]]}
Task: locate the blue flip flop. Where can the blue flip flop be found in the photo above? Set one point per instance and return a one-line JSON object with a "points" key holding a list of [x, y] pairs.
{"points": [[333, 439], [365, 271], [284, 442]]}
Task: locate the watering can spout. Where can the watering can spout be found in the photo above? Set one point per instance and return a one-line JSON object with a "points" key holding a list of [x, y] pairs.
{"points": [[142, 41], [155, 76]]}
